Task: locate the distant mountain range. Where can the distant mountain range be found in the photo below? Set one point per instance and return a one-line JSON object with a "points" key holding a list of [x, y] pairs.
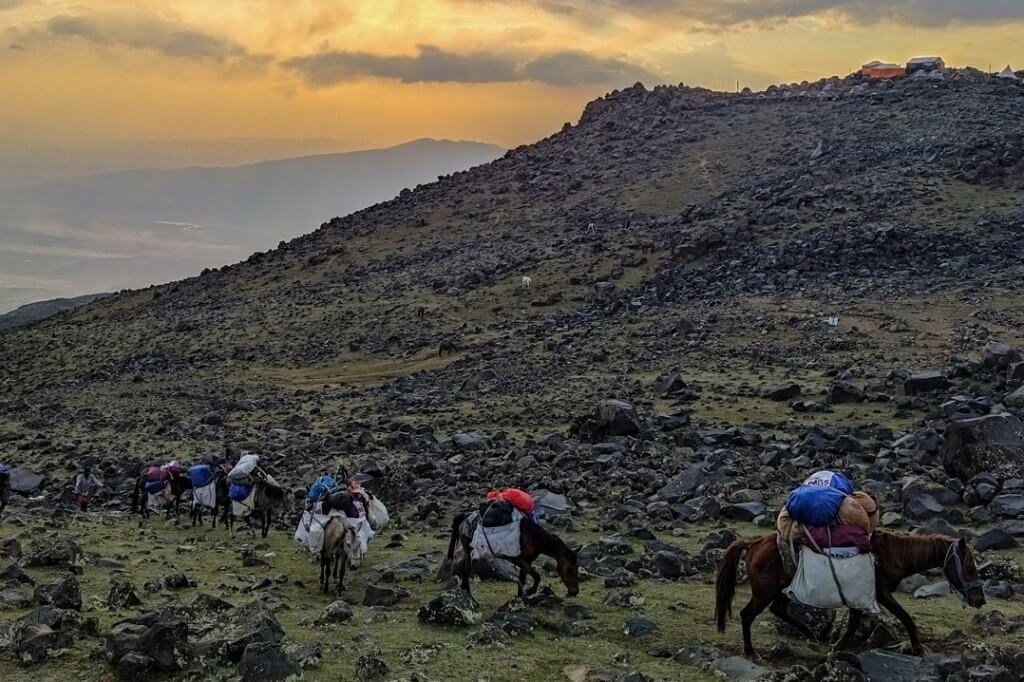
{"points": [[33, 312], [134, 228]]}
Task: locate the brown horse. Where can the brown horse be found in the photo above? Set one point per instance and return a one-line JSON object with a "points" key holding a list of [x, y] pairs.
{"points": [[448, 347], [896, 557], [533, 541], [265, 499], [341, 546], [178, 482]]}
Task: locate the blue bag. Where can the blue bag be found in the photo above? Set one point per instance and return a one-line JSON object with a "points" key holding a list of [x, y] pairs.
{"points": [[322, 485], [201, 475], [830, 479], [155, 487], [815, 505], [239, 491]]}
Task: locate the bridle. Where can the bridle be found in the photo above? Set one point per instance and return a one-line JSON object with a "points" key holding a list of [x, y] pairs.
{"points": [[953, 554]]}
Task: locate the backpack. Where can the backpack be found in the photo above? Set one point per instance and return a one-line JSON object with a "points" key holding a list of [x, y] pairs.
{"points": [[239, 492], [318, 489], [155, 473]]}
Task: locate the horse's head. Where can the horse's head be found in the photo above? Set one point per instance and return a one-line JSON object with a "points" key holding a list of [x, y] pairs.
{"points": [[961, 570], [569, 570], [351, 546]]}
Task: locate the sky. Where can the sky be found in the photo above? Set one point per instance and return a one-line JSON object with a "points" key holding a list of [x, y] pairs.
{"points": [[381, 72]]}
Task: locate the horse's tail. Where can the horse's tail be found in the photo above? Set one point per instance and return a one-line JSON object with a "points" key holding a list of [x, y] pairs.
{"points": [[725, 581], [456, 529]]}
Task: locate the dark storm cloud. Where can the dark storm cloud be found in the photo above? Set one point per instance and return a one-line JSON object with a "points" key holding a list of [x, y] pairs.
{"points": [[726, 13], [579, 68], [435, 65], [145, 33]]}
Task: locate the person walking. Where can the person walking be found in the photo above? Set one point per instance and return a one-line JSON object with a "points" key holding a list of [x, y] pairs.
{"points": [[86, 485]]}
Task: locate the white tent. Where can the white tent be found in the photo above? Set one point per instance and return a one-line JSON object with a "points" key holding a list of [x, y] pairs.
{"points": [[1007, 73]]}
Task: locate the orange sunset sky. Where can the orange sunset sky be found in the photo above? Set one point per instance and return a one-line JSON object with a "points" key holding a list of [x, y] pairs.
{"points": [[385, 71]]}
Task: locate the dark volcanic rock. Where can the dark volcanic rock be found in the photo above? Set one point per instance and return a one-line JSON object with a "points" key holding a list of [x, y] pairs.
{"points": [[782, 393], [62, 594], [453, 607], [55, 552], [1010, 506], [925, 382], [845, 392], [265, 661], [610, 418], [990, 443]]}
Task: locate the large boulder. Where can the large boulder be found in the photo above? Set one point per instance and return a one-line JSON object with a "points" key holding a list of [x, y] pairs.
{"points": [[845, 392], [151, 641], [61, 552], [265, 662], [240, 627], [609, 418], [455, 607], [994, 442], [926, 382], [34, 642], [683, 486], [64, 593], [1009, 506], [25, 481], [998, 355]]}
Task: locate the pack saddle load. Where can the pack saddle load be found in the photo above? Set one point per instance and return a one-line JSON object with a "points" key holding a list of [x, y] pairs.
{"points": [[824, 533]]}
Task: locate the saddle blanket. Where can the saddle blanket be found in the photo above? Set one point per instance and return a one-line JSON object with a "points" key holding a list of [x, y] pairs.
{"points": [[248, 505], [310, 532], [499, 541], [161, 500], [815, 584], [205, 496]]}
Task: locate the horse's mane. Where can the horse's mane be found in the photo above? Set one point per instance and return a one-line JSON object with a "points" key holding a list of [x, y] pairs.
{"points": [[913, 548], [549, 542], [274, 492]]}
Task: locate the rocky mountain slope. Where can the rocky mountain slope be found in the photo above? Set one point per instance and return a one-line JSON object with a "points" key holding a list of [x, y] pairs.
{"points": [[822, 275]]}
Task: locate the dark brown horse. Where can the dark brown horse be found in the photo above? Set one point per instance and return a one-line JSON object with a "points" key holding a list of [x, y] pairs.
{"points": [[178, 482], [220, 500], [533, 541], [266, 498], [896, 557], [448, 347]]}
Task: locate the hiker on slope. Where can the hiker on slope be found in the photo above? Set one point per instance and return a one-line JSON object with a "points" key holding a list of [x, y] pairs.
{"points": [[86, 485]]}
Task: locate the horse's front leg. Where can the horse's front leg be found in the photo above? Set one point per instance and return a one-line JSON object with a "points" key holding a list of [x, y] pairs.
{"points": [[780, 608], [887, 600], [852, 623], [342, 564]]}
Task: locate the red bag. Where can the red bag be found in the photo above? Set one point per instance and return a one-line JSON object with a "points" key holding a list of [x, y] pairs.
{"points": [[520, 499], [155, 474]]}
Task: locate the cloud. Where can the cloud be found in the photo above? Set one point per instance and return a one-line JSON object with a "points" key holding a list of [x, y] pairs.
{"points": [[572, 67], [436, 65], [719, 14], [9, 4], [143, 32], [432, 64], [711, 66]]}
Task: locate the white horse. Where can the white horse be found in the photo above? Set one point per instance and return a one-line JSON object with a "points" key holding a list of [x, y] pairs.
{"points": [[527, 282]]}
